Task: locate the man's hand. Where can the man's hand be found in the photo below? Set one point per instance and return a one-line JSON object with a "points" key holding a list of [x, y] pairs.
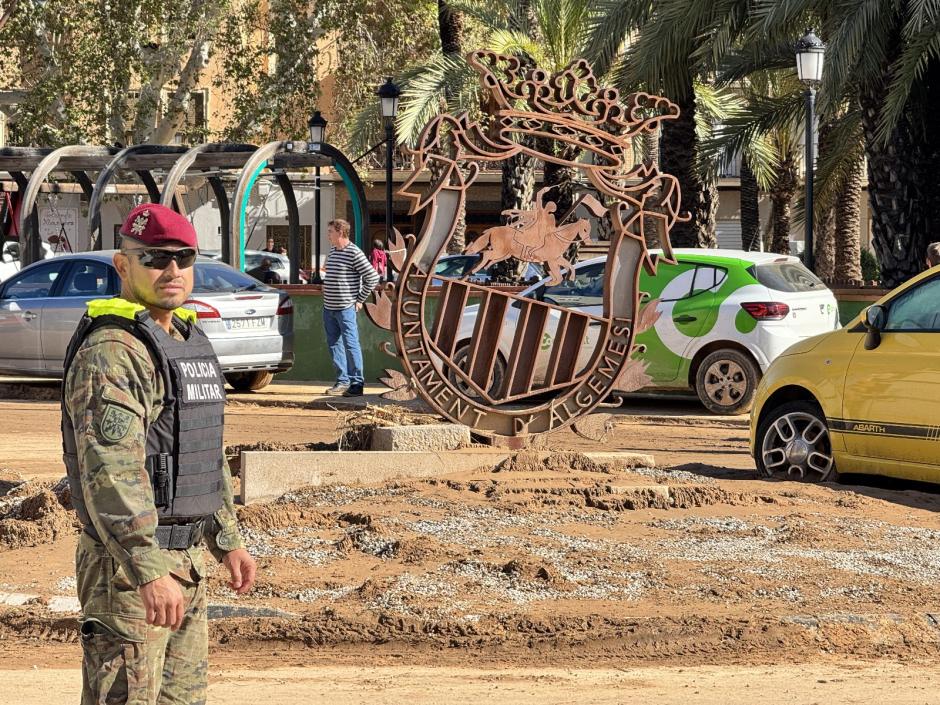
{"points": [[241, 566], [164, 603], [358, 307]]}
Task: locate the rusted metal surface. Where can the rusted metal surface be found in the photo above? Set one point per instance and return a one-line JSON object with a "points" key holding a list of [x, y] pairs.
{"points": [[552, 374]]}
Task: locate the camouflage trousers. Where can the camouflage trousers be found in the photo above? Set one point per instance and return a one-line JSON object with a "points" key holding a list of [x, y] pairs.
{"points": [[125, 660]]}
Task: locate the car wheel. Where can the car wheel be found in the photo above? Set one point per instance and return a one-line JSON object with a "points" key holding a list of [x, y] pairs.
{"points": [[726, 381], [461, 359], [249, 381], [793, 443]]}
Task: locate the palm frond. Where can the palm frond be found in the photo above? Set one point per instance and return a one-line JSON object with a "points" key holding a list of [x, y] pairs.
{"points": [[834, 164], [752, 57], [917, 53], [857, 48], [425, 91], [492, 15], [516, 43], [563, 26], [609, 30], [762, 129], [365, 129]]}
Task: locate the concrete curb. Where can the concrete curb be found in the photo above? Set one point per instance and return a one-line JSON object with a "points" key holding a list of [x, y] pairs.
{"points": [[266, 475]]}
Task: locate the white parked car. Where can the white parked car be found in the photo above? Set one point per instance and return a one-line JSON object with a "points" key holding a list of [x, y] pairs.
{"points": [[724, 316]]}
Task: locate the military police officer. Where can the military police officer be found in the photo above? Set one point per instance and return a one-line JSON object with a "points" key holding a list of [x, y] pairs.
{"points": [[142, 414]]}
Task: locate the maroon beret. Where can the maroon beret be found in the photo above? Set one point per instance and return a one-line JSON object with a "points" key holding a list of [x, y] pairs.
{"points": [[156, 225]]}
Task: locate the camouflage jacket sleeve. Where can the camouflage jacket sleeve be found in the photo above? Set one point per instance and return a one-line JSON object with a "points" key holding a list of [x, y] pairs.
{"points": [[110, 393], [222, 535]]}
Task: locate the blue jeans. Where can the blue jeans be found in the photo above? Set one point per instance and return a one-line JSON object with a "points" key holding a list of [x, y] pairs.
{"points": [[342, 336]]}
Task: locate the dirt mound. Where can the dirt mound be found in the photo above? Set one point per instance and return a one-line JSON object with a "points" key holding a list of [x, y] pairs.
{"points": [[525, 570], [356, 428], [528, 461], [234, 452], [372, 539], [9, 480], [417, 550], [266, 517], [36, 513]]}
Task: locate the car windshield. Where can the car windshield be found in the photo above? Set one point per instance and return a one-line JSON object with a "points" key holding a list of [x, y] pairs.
{"points": [[212, 277], [454, 266], [787, 276], [586, 289], [254, 260]]}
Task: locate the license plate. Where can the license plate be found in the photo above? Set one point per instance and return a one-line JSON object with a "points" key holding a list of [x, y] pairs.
{"points": [[248, 323]]}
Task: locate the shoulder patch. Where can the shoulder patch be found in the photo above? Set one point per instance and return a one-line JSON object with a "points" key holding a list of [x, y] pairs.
{"points": [[115, 423]]}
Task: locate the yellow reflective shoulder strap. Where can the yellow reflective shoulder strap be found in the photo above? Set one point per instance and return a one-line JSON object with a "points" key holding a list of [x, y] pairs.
{"points": [[113, 307], [186, 314]]}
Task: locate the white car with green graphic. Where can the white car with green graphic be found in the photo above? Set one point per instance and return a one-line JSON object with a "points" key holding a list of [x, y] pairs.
{"points": [[724, 315]]}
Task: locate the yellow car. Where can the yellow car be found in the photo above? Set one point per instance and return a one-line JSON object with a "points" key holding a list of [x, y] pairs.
{"points": [[862, 399]]}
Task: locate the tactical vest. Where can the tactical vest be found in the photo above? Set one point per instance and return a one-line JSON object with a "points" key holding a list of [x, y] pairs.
{"points": [[184, 444]]}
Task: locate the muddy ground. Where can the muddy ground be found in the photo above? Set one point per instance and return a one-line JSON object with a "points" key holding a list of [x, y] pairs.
{"points": [[535, 565]]}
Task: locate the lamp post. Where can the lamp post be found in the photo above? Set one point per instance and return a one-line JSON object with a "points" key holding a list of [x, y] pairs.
{"points": [[810, 55], [317, 127], [388, 94]]}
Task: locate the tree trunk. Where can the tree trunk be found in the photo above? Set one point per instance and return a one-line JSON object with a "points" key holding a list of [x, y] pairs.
{"points": [[678, 158], [750, 209], [848, 240], [781, 198], [450, 27], [824, 243], [651, 224], [824, 223], [902, 176]]}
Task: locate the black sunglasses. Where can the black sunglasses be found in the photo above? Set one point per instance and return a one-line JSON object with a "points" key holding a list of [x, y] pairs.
{"points": [[155, 258]]}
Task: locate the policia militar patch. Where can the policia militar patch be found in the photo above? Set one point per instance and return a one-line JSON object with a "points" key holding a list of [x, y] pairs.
{"points": [[115, 423]]}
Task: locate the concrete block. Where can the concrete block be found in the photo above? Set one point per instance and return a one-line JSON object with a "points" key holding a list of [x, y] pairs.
{"points": [[445, 436], [266, 475]]}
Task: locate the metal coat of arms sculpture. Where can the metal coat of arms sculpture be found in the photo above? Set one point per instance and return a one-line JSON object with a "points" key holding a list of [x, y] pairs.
{"points": [[500, 363]]}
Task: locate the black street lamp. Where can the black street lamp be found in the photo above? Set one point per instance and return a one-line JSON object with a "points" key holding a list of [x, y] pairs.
{"points": [[388, 94], [317, 127], [810, 56]]}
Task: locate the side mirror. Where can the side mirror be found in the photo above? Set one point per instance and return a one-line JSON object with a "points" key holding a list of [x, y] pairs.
{"points": [[6, 257], [875, 319]]}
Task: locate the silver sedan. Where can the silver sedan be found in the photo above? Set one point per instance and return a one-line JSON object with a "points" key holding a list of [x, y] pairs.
{"points": [[250, 325]]}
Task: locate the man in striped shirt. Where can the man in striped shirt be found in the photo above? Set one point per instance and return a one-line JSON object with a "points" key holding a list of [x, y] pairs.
{"points": [[347, 284]]}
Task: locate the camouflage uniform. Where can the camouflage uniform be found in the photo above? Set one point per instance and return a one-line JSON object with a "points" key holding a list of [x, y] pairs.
{"points": [[112, 393]]}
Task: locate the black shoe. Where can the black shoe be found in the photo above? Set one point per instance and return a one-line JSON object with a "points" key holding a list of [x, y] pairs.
{"points": [[336, 389], [355, 390]]}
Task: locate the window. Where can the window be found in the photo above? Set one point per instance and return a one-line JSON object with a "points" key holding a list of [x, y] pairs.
{"points": [[455, 266], [917, 309], [211, 277], [34, 283], [585, 289], [87, 279], [786, 276]]}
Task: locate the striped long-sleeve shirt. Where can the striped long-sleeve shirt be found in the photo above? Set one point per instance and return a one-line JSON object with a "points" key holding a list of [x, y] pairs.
{"points": [[349, 278]]}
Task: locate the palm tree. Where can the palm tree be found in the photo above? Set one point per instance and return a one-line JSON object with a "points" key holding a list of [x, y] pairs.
{"points": [[671, 47], [750, 208], [882, 56]]}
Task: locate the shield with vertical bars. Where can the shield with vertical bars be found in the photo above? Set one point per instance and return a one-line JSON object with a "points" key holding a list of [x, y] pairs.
{"points": [[496, 361]]}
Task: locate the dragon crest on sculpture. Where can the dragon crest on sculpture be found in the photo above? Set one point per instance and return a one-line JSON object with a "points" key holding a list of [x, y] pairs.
{"points": [[517, 366]]}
